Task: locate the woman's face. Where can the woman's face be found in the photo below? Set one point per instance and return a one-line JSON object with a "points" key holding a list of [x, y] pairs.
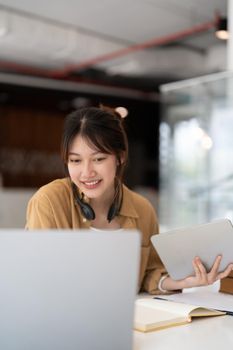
{"points": [[91, 170]]}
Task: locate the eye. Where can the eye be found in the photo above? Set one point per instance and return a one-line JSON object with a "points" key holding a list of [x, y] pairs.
{"points": [[74, 161], [99, 159]]}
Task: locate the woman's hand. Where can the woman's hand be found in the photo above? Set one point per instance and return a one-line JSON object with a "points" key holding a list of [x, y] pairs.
{"points": [[201, 277], [204, 278]]}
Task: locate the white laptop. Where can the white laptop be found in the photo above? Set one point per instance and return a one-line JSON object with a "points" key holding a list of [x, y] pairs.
{"points": [[177, 248], [67, 290]]}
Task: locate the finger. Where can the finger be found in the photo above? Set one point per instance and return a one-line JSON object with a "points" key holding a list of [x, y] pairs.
{"points": [[201, 266], [215, 268], [213, 275], [226, 272], [203, 276], [196, 267]]}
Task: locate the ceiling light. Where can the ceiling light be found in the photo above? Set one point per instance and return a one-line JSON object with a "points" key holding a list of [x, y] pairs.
{"points": [[79, 102], [221, 29]]}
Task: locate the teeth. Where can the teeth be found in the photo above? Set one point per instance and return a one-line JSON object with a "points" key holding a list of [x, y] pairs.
{"points": [[91, 183]]}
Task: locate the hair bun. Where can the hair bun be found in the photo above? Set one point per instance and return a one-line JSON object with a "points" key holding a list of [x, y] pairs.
{"points": [[120, 112]]}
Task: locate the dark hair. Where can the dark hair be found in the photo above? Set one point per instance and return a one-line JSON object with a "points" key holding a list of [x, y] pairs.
{"points": [[102, 128]]}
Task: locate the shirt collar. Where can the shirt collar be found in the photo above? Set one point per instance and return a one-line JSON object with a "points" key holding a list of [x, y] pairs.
{"points": [[128, 208]]}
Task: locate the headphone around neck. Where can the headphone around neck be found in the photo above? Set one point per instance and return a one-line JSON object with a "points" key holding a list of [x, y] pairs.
{"points": [[87, 210]]}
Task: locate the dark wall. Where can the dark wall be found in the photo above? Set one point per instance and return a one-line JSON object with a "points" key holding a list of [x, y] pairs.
{"points": [[31, 122]]}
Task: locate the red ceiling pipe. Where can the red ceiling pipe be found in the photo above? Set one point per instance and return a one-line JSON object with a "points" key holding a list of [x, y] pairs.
{"points": [[24, 69], [65, 72], [137, 47]]}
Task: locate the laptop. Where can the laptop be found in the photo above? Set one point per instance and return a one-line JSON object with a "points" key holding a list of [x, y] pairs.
{"points": [[177, 248], [67, 290]]}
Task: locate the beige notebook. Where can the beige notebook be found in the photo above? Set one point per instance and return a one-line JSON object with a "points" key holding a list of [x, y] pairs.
{"points": [[154, 314]]}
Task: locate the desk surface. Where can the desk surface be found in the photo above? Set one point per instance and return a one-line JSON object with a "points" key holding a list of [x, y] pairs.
{"points": [[213, 333]]}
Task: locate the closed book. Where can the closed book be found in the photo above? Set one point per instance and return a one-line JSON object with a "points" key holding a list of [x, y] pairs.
{"points": [[226, 284], [155, 314]]}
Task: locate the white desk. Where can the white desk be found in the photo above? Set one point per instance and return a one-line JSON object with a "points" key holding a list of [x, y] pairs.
{"points": [[214, 333]]}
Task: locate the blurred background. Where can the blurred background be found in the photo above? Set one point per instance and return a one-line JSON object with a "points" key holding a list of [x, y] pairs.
{"points": [[163, 60]]}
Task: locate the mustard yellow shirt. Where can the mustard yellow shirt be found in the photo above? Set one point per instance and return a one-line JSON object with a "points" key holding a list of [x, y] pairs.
{"points": [[53, 206]]}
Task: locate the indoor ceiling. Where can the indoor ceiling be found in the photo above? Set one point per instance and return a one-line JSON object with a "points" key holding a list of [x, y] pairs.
{"points": [[134, 43]]}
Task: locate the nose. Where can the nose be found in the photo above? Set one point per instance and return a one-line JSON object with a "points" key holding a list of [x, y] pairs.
{"points": [[88, 169]]}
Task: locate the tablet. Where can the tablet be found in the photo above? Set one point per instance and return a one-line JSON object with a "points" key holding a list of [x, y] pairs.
{"points": [[177, 248]]}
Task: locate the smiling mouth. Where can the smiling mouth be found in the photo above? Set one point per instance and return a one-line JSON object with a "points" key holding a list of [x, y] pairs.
{"points": [[91, 184]]}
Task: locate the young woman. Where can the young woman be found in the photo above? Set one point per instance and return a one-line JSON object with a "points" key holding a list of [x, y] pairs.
{"points": [[95, 151]]}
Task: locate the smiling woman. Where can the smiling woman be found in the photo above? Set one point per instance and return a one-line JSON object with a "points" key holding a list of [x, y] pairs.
{"points": [[95, 151]]}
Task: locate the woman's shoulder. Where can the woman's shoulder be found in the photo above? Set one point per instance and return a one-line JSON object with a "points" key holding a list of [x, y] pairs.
{"points": [[136, 205], [55, 189], [140, 202]]}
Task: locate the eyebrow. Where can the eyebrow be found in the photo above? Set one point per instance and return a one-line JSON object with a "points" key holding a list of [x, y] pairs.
{"points": [[77, 154]]}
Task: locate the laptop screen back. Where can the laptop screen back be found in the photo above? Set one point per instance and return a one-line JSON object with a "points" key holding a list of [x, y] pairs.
{"points": [[66, 290]]}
